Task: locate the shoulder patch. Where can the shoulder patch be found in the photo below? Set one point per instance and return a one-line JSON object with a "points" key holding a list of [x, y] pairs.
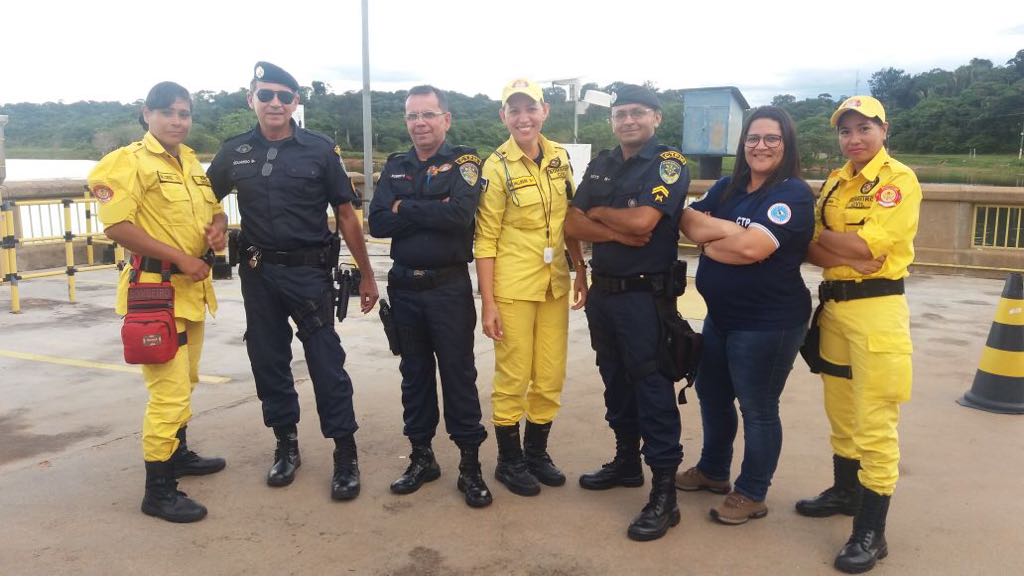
{"points": [[468, 158], [669, 171], [673, 155], [888, 196], [780, 213], [660, 194], [470, 171], [323, 137], [102, 192]]}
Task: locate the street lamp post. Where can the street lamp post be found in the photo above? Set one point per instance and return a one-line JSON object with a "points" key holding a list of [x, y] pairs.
{"points": [[3, 154]]}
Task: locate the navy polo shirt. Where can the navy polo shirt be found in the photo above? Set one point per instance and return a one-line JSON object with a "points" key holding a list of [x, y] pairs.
{"points": [[434, 224], [770, 294], [284, 186], [656, 176]]}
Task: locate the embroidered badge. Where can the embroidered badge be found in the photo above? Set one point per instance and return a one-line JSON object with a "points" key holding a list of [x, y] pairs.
{"points": [[669, 171], [555, 163], [660, 194], [470, 173], [866, 188], [780, 213], [673, 155], [444, 167], [243, 148], [468, 158], [888, 196], [102, 193], [259, 72], [337, 150], [169, 177]]}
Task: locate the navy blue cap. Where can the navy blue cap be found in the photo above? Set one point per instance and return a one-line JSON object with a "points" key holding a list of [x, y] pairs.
{"points": [[267, 72], [633, 94]]}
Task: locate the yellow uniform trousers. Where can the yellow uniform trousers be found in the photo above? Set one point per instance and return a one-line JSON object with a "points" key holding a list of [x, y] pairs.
{"points": [[170, 394], [529, 361], [872, 337]]}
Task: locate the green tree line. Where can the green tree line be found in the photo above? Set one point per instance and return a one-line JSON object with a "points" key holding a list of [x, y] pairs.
{"points": [[978, 106]]}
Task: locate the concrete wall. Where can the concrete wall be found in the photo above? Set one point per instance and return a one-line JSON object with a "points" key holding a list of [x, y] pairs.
{"points": [[943, 242]]}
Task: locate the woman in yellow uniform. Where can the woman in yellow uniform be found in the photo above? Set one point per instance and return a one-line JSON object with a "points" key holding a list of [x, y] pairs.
{"points": [[524, 285], [867, 217], [155, 200]]}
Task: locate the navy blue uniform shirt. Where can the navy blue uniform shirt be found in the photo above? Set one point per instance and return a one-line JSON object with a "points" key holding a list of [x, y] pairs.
{"points": [[657, 176], [283, 186], [770, 294], [434, 224]]}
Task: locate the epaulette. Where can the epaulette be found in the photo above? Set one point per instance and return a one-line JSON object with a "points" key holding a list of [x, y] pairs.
{"points": [[319, 135], [239, 136], [460, 150]]}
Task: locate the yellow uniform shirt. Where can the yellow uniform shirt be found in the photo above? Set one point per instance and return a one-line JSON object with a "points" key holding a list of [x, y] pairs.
{"points": [[143, 184], [881, 204], [521, 212]]}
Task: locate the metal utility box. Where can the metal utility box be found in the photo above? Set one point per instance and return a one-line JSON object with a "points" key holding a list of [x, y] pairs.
{"points": [[712, 122]]}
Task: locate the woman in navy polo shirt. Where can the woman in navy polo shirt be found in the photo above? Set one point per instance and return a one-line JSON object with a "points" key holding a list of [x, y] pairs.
{"points": [[753, 228]]}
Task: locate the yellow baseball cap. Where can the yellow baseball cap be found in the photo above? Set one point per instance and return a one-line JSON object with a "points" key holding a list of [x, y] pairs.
{"points": [[522, 86], [867, 106]]}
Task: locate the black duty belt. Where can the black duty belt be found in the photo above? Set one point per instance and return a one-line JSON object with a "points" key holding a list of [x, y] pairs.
{"points": [[848, 290], [640, 283], [314, 256], [157, 266], [404, 278]]}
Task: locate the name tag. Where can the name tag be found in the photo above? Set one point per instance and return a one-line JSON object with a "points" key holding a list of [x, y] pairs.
{"points": [[169, 177]]}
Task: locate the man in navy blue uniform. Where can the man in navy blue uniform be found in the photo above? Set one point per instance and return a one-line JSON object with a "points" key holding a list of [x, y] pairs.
{"points": [[285, 177], [425, 201], [629, 205]]}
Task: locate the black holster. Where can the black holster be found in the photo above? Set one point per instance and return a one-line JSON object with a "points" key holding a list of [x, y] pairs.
{"points": [[342, 292], [390, 329]]}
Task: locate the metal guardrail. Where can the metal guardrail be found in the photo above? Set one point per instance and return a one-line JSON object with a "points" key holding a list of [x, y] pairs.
{"points": [[998, 226]]}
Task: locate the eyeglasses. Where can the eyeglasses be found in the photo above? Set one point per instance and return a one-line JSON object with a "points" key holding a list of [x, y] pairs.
{"points": [[266, 95], [427, 116], [267, 167], [769, 140], [634, 113]]}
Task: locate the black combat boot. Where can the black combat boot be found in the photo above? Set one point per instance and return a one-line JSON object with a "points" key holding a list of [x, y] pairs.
{"points": [[422, 468], [471, 480], [511, 469], [842, 497], [867, 543], [187, 462], [538, 461], [624, 470], [345, 482], [164, 500], [286, 457], [661, 512]]}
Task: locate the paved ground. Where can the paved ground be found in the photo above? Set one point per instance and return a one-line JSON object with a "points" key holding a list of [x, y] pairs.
{"points": [[71, 470]]}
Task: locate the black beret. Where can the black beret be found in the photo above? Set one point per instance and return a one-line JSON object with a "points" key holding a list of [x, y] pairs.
{"points": [[633, 94], [267, 72]]}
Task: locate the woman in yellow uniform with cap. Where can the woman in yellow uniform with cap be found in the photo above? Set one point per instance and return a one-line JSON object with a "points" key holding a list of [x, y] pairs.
{"points": [[524, 285], [155, 200], [867, 217]]}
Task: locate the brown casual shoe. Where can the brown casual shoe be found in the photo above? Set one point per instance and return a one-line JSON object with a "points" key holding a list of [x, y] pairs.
{"points": [[737, 510], [693, 480]]}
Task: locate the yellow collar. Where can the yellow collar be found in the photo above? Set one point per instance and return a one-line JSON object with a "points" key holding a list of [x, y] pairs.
{"points": [[511, 151], [153, 145], [871, 170]]}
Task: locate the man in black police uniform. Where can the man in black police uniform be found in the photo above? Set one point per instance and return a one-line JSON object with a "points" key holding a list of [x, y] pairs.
{"points": [[629, 205], [425, 201], [285, 177]]}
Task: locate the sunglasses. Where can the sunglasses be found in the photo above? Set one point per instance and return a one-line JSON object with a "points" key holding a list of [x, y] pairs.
{"points": [[266, 95]]}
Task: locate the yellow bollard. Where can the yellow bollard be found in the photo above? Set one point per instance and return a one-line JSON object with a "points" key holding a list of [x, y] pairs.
{"points": [[9, 253], [69, 248], [90, 255]]}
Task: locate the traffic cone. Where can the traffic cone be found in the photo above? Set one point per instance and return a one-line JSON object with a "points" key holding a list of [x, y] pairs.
{"points": [[999, 383]]}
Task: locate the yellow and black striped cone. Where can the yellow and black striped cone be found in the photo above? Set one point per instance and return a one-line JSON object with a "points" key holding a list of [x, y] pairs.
{"points": [[999, 383]]}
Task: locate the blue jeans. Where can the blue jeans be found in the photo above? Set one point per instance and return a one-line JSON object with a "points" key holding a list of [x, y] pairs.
{"points": [[751, 367]]}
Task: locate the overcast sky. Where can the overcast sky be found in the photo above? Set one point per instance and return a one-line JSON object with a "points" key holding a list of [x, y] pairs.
{"points": [[116, 50]]}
